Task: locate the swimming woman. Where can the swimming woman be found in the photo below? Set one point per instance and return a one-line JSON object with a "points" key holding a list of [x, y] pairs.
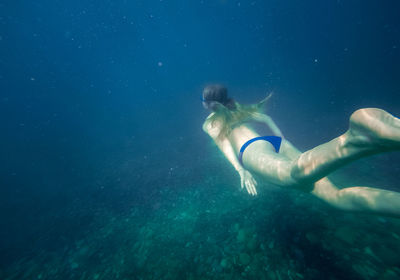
{"points": [[276, 160]]}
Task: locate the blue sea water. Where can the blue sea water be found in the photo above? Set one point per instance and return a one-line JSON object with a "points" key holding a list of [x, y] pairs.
{"points": [[105, 171]]}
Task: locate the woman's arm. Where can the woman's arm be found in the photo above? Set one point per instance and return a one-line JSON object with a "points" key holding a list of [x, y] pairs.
{"points": [[246, 179], [260, 117], [223, 143], [226, 148], [213, 127]]}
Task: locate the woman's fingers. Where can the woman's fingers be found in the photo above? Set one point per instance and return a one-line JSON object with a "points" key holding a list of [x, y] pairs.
{"points": [[251, 189], [254, 184], [246, 180], [248, 187], [254, 189]]}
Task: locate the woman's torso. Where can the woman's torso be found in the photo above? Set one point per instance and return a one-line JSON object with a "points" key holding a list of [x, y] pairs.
{"points": [[237, 134], [242, 133]]}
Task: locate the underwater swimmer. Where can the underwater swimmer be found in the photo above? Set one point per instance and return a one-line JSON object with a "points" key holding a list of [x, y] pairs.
{"points": [[276, 160]]}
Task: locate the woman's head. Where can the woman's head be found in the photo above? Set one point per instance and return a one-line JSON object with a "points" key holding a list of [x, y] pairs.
{"points": [[213, 95]]}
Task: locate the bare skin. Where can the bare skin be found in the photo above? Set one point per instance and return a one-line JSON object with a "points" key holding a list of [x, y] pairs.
{"points": [[371, 131]]}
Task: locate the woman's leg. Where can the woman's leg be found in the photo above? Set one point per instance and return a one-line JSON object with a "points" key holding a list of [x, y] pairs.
{"points": [[358, 199], [371, 131]]}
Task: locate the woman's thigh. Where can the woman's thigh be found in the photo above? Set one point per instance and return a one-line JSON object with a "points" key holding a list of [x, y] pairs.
{"points": [[260, 157], [288, 150]]}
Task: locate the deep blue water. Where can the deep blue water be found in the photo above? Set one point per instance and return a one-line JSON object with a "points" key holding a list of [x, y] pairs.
{"points": [[100, 117]]}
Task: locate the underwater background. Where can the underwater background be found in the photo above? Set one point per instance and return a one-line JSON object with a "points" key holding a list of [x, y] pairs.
{"points": [[105, 171]]}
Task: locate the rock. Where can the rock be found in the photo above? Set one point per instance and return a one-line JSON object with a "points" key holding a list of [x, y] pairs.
{"points": [[390, 275], [365, 271], [271, 275], [382, 220], [225, 263], [387, 255], [346, 234], [299, 256], [241, 236], [368, 251], [311, 237], [271, 245], [252, 244], [395, 235], [244, 259], [74, 265]]}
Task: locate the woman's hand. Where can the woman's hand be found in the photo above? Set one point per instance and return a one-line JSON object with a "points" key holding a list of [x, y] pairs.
{"points": [[247, 180]]}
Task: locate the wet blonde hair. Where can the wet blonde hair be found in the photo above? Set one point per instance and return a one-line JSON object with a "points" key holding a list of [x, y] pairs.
{"points": [[233, 115]]}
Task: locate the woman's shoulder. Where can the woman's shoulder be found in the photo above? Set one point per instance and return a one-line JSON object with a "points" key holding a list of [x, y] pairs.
{"points": [[213, 124]]}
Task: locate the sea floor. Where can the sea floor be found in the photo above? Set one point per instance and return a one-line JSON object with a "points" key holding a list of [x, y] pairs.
{"points": [[212, 230]]}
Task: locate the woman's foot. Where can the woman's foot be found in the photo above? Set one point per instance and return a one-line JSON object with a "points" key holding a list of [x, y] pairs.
{"points": [[373, 127]]}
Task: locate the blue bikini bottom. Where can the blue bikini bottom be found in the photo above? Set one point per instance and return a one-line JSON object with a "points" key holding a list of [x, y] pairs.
{"points": [[274, 140]]}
